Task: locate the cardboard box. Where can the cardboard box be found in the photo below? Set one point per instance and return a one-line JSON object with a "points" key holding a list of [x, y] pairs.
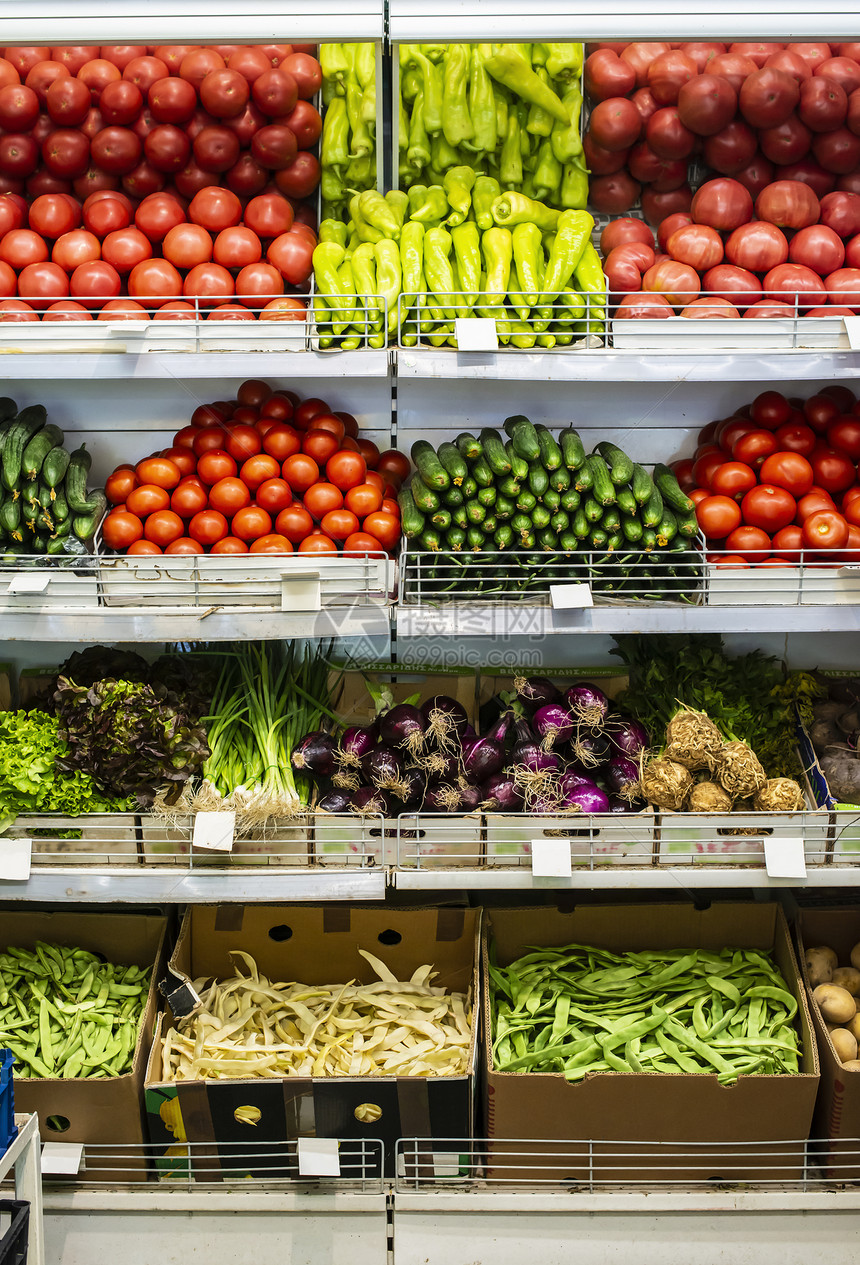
{"points": [[613, 1116], [837, 1111], [99, 1112], [316, 945]]}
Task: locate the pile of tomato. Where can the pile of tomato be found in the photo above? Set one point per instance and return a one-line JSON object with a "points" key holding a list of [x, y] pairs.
{"points": [[778, 481], [264, 473], [177, 174]]}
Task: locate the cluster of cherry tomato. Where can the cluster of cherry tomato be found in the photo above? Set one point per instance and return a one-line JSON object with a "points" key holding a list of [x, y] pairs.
{"points": [[264, 473], [778, 480], [178, 174], [756, 111]]}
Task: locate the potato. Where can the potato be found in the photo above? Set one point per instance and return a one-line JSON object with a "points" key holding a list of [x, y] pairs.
{"points": [[836, 1004], [844, 1044], [820, 964], [853, 1065], [855, 956], [847, 977], [854, 1027]]}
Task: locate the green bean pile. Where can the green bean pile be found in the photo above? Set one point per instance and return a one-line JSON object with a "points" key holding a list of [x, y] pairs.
{"points": [[66, 1013], [578, 1010]]}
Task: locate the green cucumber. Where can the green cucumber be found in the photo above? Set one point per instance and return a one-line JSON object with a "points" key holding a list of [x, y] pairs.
{"points": [[519, 465], [602, 488], [560, 479], [552, 500], [441, 519], [581, 526], [489, 525], [38, 448], [475, 538], [572, 448], [615, 542], [510, 486], [453, 463], [631, 528], [521, 523], [468, 446], [18, 435], [459, 517], [523, 436], [469, 488], [55, 465], [611, 519], [571, 500], [504, 535], [670, 490], [642, 484], [550, 453], [649, 539], [598, 538], [494, 452], [627, 502], [560, 522], [30, 511], [538, 479], [455, 538], [84, 525], [430, 540], [8, 409], [428, 465], [475, 512], [688, 524], [10, 516], [505, 507], [425, 500], [652, 510], [568, 541], [482, 474], [63, 529], [76, 480], [45, 493], [593, 511], [541, 517], [528, 540], [452, 498], [583, 478], [548, 540], [486, 496], [668, 527], [526, 501], [620, 465]]}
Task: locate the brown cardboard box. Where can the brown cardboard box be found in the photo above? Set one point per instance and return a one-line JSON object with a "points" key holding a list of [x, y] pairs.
{"points": [[653, 1109], [105, 1112], [318, 945], [837, 1111]]}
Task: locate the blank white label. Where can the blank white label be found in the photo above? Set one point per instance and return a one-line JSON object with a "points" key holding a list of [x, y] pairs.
{"points": [[29, 582], [784, 858], [15, 856], [62, 1158], [551, 858], [570, 597], [476, 333], [301, 591], [214, 831], [318, 1157], [852, 329]]}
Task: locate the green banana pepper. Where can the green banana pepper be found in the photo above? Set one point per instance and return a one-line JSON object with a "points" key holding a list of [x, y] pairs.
{"points": [[566, 140], [364, 64], [467, 252], [482, 105], [564, 61], [573, 233], [516, 291], [412, 277], [334, 150], [376, 212], [364, 231], [485, 192], [437, 267], [540, 122], [442, 155], [364, 274], [417, 140], [574, 186], [511, 159], [327, 259], [361, 172], [510, 68], [410, 84], [547, 174], [336, 62], [456, 119], [528, 254], [388, 278], [591, 281], [399, 203], [432, 83], [515, 208], [434, 207], [331, 230], [361, 142], [502, 110], [498, 252], [458, 184]]}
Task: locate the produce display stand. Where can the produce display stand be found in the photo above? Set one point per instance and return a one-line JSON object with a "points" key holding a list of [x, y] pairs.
{"points": [[441, 1207], [22, 1159]]}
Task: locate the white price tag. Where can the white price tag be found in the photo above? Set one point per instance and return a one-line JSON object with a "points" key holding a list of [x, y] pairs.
{"points": [[15, 856], [62, 1159], [784, 858], [476, 333], [214, 831], [318, 1157], [551, 858], [570, 597], [29, 582], [301, 591], [852, 329]]}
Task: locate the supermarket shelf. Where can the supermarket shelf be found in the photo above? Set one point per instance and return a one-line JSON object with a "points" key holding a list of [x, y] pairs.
{"points": [[100, 365], [241, 885], [176, 624], [613, 366], [22, 1160], [136, 22], [619, 878], [158, 1199], [416, 21], [680, 1201]]}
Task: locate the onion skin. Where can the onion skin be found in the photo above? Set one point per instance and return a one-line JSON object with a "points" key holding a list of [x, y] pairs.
{"points": [[588, 799], [367, 799], [501, 794], [553, 724], [403, 726], [358, 740], [381, 765], [448, 707], [484, 758], [414, 783], [588, 704], [626, 735], [537, 691], [317, 752], [533, 758], [335, 802], [621, 773]]}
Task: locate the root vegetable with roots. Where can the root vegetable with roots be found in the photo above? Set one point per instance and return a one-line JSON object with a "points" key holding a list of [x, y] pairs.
{"points": [[739, 770], [692, 739], [666, 783]]}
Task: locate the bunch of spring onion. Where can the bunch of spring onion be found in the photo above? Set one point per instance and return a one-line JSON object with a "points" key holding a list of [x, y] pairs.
{"points": [[542, 751], [268, 695]]}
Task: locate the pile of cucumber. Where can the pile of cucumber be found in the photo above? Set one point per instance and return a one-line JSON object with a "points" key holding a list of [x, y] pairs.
{"points": [[44, 506], [540, 495]]}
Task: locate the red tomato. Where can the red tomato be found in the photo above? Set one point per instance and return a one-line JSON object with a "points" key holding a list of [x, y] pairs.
{"points": [[706, 104], [281, 441], [363, 500], [258, 469], [215, 464], [826, 529], [210, 284], [291, 253], [795, 437], [813, 502], [120, 485], [770, 410], [229, 496], [229, 544], [383, 527], [346, 470], [243, 442], [623, 231], [338, 524], [273, 543], [678, 282], [706, 466], [361, 543], [788, 541], [697, 245], [301, 472], [121, 529], [717, 516], [317, 543], [320, 444], [211, 433], [754, 447], [189, 498], [732, 478], [251, 523], [208, 527], [163, 527], [159, 470], [322, 498], [126, 247], [143, 547], [215, 209], [768, 507], [820, 411], [833, 471], [146, 499], [295, 523], [184, 545], [751, 543], [723, 204], [789, 470], [274, 495], [757, 247]]}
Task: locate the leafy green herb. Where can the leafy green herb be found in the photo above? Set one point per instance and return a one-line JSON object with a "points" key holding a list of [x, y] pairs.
{"points": [[748, 697]]}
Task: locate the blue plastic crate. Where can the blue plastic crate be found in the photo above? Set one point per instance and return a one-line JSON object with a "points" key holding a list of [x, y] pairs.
{"points": [[8, 1129]]}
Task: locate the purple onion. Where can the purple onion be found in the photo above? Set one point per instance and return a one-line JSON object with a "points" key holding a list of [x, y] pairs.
{"points": [[501, 793], [553, 724], [588, 704], [335, 802], [470, 797], [544, 804], [382, 767], [316, 752], [588, 799], [403, 726], [484, 758], [626, 735], [590, 750], [443, 798], [468, 733], [440, 766], [444, 715], [536, 691], [501, 729], [622, 776], [410, 789], [523, 731], [367, 799], [619, 805], [356, 742], [534, 758], [572, 781], [467, 745]]}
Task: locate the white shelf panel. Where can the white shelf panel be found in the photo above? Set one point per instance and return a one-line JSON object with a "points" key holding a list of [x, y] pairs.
{"points": [[541, 621], [618, 878], [96, 367], [148, 625], [416, 21], [217, 21], [625, 366], [151, 1198], [626, 1200], [193, 887]]}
